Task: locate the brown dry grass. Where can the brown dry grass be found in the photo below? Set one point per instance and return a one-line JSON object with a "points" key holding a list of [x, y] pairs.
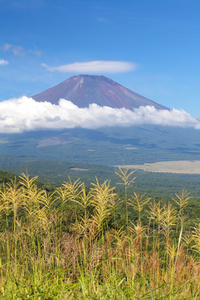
{"points": [[179, 167]]}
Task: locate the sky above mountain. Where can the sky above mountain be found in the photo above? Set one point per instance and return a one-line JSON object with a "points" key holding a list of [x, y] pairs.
{"points": [[151, 47]]}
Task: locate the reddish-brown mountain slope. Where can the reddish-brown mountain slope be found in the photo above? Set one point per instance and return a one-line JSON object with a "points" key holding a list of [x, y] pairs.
{"points": [[83, 90]]}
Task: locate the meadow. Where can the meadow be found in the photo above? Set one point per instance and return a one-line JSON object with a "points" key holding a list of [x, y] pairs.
{"points": [[81, 242], [177, 167]]}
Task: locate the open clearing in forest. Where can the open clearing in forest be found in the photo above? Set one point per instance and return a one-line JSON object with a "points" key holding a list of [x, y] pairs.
{"points": [[179, 167]]}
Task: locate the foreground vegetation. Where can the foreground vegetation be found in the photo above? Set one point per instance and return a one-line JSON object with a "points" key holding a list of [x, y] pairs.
{"points": [[89, 243]]}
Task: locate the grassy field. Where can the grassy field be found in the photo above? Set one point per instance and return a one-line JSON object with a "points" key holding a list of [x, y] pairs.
{"points": [[84, 243], [178, 167]]}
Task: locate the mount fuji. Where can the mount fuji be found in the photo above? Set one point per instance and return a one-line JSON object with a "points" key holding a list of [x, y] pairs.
{"points": [[106, 145], [84, 90]]}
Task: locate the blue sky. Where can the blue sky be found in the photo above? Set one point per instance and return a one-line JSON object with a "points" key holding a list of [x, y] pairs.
{"points": [[150, 46]]}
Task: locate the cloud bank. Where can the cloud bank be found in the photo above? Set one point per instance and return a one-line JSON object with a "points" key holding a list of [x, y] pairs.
{"points": [[25, 114], [94, 67]]}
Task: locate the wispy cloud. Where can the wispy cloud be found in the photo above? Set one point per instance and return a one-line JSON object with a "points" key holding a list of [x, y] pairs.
{"points": [[25, 114], [94, 67], [15, 49], [21, 4], [102, 20], [3, 62], [19, 50], [35, 52]]}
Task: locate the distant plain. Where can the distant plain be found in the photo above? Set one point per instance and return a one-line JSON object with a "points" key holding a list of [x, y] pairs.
{"points": [[178, 167]]}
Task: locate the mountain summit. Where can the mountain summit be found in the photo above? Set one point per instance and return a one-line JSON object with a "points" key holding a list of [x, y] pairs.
{"points": [[83, 90]]}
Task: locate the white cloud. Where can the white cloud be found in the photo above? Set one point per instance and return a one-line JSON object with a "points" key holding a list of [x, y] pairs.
{"points": [[3, 62], [94, 67], [25, 114]]}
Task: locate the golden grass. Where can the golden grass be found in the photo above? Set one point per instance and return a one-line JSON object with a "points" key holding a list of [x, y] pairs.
{"points": [[67, 245]]}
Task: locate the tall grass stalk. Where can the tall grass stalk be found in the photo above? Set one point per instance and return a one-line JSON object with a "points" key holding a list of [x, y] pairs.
{"points": [[43, 255], [125, 175]]}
